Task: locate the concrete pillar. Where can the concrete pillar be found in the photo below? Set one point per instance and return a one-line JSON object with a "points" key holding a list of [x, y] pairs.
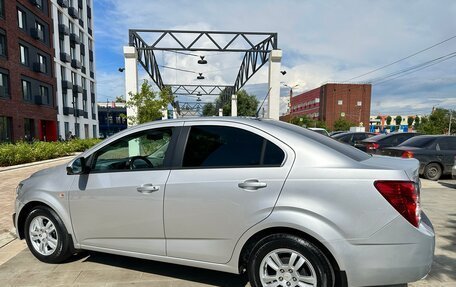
{"points": [[174, 113], [220, 112], [131, 77], [274, 84], [234, 105], [164, 113]]}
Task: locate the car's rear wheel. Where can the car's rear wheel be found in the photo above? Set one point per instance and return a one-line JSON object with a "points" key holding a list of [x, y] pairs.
{"points": [[288, 261], [46, 235], [433, 171]]}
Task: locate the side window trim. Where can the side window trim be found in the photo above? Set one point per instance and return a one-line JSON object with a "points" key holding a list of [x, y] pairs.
{"points": [[169, 155], [183, 139]]}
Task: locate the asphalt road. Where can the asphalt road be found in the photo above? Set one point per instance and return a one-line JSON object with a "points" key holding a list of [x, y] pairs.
{"points": [[19, 268]]}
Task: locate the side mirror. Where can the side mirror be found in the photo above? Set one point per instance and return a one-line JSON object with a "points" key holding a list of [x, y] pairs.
{"points": [[78, 166]]}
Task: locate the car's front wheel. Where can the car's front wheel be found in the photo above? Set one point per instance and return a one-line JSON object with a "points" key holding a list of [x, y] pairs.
{"points": [[288, 261], [46, 235]]}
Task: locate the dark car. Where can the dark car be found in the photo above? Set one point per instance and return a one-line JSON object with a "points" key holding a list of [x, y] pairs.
{"points": [[353, 138], [331, 134], [435, 153], [376, 143]]}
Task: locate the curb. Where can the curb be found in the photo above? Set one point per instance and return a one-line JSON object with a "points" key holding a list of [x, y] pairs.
{"points": [[13, 167]]}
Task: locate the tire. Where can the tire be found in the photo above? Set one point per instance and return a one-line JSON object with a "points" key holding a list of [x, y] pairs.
{"points": [[46, 236], [264, 270], [433, 171]]}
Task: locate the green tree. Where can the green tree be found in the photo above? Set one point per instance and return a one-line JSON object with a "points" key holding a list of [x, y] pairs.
{"points": [[247, 105], [148, 104], [398, 120], [120, 99], [437, 122], [388, 120], [343, 124], [409, 121], [209, 110], [303, 121]]}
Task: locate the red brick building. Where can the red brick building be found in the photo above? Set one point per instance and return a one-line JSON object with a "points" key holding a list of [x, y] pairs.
{"points": [[27, 83], [330, 102]]}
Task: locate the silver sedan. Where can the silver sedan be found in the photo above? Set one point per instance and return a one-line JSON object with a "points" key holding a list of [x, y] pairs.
{"points": [[286, 205]]}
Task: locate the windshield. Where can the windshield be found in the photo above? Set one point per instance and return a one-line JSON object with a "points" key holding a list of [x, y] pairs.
{"points": [[423, 141]]}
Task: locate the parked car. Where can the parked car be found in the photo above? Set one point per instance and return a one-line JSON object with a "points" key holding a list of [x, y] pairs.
{"points": [[331, 134], [286, 205], [435, 153], [353, 138], [320, 131], [453, 170], [376, 143]]}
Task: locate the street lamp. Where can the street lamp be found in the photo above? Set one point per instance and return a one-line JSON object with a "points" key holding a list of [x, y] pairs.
{"points": [[291, 95]]}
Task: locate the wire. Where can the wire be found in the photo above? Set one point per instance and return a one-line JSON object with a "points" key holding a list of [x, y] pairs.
{"points": [[183, 53], [259, 108], [177, 69], [402, 59]]}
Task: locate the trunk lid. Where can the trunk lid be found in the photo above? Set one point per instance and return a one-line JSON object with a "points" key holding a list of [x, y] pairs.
{"points": [[409, 166]]}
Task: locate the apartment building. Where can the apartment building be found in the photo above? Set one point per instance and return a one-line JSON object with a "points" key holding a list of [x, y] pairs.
{"points": [[75, 68], [27, 83]]}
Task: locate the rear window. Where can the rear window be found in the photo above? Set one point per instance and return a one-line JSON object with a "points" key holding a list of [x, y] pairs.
{"points": [[344, 149], [377, 137], [418, 142]]}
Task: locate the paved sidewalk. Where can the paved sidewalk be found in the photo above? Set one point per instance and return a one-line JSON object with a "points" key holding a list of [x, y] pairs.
{"points": [[9, 178]]}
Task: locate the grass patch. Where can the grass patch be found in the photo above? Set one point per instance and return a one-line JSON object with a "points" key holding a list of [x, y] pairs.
{"points": [[23, 152]]}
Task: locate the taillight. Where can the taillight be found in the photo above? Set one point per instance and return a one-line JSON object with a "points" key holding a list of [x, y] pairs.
{"points": [[407, 154], [372, 146], [404, 196]]}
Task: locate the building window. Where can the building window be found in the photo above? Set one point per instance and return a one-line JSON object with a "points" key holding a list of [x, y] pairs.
{"points": [[26, 90], [29, 129], [5, 129], [81, 37], [21, 19], [66, 126], [2, 8], [84, 105], [82, 60], [65, 99], [3, 47], [359, 103], [74, 78], [71, 27], [4, 86], [73, 53], [60, 17], [75, 103], [80, 13], [24, 55], [40, 28], [90, 44], [62, 45], [42, 61], [92, 87], [84, 83], [63, 73], [44, 93], [76, 130], [92, 107], [339, 102], [94, 128]]}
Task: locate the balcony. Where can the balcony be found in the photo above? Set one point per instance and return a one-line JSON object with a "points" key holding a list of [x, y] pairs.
{"points": [[77, 89], [68, 111], [37, 34], [94, 116], [65, 57], [67, 85], [63, 3], [83, 49], [38, 100], [73, 12], [86, 115], [39, 67], [92, 97], [64, 30], [74, 38], [76, 64], [90, 31]]}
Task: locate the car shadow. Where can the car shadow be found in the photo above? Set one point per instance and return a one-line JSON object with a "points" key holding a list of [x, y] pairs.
{"points": [[447, 184], [193, 274], [444, 266]]}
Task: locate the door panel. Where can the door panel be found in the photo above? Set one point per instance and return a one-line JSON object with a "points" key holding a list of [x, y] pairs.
{"points": [[206, 211]]}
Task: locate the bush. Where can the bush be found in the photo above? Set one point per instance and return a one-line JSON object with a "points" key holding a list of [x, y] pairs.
{"points": [[23, 152]]}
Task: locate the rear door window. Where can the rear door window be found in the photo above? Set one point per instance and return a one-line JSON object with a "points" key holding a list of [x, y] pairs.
{"points": [[447, 143], [220, 146]]}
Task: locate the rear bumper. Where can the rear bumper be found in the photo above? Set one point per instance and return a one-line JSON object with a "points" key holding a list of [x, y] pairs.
{"points": [[391, 256]]}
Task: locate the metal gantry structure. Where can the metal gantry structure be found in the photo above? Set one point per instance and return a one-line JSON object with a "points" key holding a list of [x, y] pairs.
{"points": [[256, 47]]}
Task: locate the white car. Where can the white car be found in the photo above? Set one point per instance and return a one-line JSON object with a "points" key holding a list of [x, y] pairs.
{"points": [[320, 131]]}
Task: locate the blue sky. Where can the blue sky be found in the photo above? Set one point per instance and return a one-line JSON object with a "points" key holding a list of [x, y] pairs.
{"points": [[322, 41]]}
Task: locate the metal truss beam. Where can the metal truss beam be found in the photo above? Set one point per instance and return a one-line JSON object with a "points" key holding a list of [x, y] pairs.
{"points": [[199, 40], [147, 59], [214, 90], [189, 109]]}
